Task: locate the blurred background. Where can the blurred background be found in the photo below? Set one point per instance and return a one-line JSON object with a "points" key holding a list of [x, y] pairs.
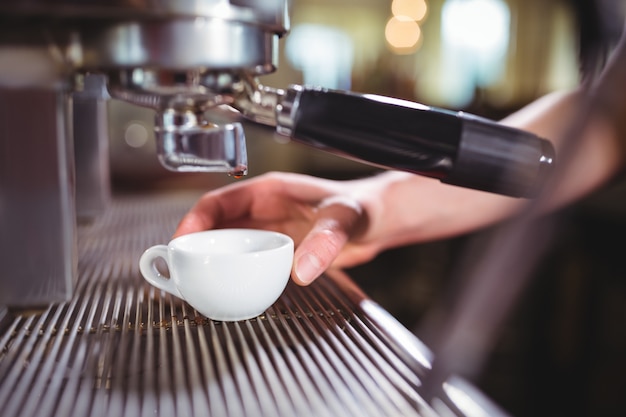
{"points": [[489, 57], [563, 350]]}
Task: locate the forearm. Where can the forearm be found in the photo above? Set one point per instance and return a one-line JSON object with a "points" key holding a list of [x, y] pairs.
{"points": [[405, 208], [597, 155]]}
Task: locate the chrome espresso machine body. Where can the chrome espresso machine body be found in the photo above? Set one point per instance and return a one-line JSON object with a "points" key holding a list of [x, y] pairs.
{"points": [[55, 61], [185, 60]]}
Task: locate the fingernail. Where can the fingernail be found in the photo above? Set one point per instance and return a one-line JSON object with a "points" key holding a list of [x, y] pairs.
{"points": [[308, 268]]}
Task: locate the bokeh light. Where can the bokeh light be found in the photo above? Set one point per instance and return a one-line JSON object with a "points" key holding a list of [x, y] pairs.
{"points": [[414, 9], [324, 54], [402, 32], [480, 25]]}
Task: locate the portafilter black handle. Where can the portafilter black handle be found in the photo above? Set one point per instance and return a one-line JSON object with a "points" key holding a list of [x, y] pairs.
{"points": [[455, 147]]}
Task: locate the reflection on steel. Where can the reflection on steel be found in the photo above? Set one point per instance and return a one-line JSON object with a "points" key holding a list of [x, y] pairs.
{"points": [[120, 347], [175, 56]]}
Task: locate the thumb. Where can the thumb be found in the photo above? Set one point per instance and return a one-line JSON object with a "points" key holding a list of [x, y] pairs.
{"points": [[336, 220]]}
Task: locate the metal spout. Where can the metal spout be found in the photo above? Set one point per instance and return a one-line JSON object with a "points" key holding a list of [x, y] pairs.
{"points": [[186, 142]]}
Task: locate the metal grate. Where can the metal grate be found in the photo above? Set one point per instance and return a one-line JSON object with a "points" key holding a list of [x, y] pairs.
{"points": [[122, 348]]}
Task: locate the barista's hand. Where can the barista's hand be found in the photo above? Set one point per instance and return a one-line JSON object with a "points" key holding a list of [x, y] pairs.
{"points": [[320, 215], [345, 223]]}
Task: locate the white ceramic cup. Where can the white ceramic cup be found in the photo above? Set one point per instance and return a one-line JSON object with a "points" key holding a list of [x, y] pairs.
{"points": [[225, 274]]}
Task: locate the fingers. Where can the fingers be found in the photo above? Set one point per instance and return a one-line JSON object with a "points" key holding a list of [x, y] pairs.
{"points": [[336, 221], [214, 207], [269, 200], [289, 203]]}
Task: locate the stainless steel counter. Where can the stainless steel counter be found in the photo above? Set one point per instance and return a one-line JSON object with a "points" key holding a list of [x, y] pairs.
{"points": [[122, 348]]}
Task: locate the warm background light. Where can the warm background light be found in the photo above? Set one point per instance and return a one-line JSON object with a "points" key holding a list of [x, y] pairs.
{"points": [[402, 32], [414, 9]]}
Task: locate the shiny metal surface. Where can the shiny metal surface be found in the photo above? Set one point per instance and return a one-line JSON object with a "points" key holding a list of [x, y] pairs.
{"points": [[187, 144], [270, 13], [181, 35], [163, 55], [37, 212], [120, 347], [91, 147], [166, 51], [181, 44]]}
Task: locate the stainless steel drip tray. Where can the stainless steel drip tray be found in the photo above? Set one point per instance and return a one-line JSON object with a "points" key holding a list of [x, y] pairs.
{"points": [[122, 348]]}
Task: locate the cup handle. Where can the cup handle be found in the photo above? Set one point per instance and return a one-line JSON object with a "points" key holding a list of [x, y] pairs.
{"points": [[147, 266]]}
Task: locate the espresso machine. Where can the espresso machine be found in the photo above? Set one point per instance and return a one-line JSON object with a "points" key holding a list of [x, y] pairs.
{"points": [[56, 61], [60, 62], [84, 334]]}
